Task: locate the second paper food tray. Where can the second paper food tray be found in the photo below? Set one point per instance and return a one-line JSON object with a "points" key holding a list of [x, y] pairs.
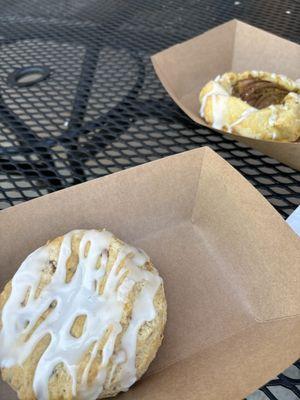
{"points": [[186, 67]]}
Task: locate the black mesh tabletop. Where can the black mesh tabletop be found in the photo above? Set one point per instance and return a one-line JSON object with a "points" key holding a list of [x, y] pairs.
{"points": [[98, 107]]}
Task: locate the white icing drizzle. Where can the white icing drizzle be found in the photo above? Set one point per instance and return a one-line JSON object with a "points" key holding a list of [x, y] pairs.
{"points": [[218, 106], [78, 297], [203, 103], [243, 116], [217, 89]]}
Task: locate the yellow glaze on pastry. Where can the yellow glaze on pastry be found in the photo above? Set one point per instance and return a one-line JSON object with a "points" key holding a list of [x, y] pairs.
{"points": [[82, 318], [254, 104]]}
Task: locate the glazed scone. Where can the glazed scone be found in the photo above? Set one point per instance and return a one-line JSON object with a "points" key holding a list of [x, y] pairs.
{"points": [[82, 318], [254, 104]]}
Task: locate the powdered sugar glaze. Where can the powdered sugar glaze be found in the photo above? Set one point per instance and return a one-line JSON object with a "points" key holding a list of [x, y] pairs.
{"points": [[78, 297]]}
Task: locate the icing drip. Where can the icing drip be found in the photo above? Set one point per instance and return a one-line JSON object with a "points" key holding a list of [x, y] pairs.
{"points": [[244, 115], [217, 89], [76, 298], [218, 107]]}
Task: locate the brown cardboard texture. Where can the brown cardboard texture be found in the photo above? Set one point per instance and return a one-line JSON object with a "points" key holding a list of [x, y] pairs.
{"points": [[229, 262], [234, 46]]}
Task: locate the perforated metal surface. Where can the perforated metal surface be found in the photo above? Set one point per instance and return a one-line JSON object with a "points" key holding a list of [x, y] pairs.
{"points": [[102, 109]]}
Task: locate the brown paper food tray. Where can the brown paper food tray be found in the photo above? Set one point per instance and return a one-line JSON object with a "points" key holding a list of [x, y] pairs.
{"points": [[229, 261], [234, 46]]}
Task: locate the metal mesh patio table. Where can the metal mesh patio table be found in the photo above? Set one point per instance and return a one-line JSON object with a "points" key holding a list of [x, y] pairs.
{"points": [[95, 106]]}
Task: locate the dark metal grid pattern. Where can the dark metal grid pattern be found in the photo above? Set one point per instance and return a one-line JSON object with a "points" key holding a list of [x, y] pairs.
{"points": [[103, 109]]}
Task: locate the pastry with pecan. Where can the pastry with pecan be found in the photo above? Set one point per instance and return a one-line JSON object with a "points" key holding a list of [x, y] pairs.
{"points": [[254, 104]]}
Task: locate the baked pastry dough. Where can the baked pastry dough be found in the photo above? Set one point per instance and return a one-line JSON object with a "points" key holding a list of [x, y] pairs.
{"points": [[82, 318], [254, 104]]}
